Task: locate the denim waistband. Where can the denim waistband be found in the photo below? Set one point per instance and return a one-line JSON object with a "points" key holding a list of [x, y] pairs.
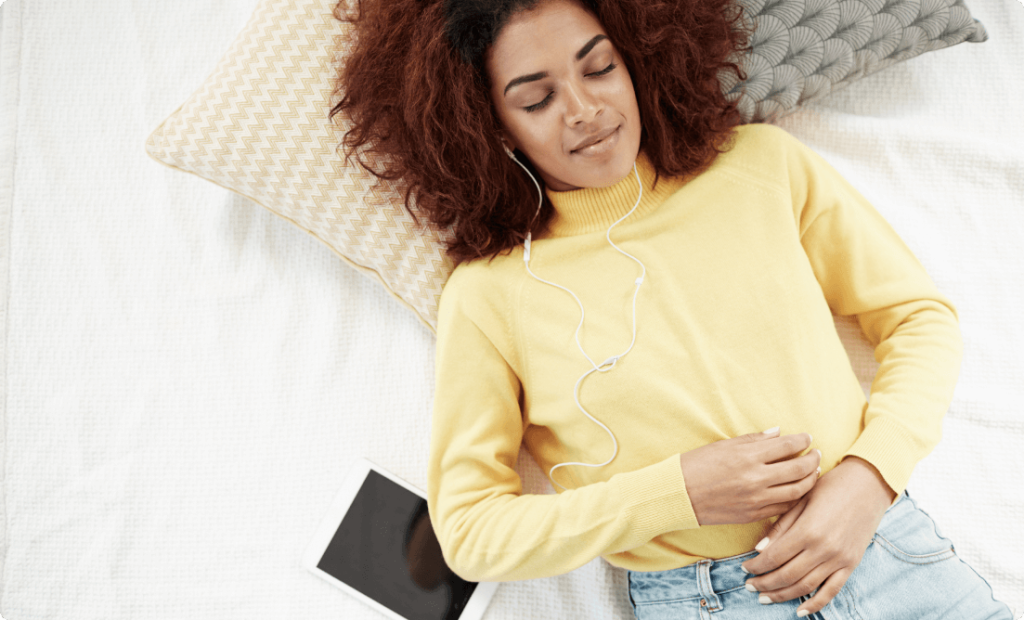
{"points": [[704, 579]]}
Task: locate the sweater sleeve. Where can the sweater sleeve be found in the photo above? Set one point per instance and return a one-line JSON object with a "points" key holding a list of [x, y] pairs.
{"points": [[865, 269], [487, 528]]}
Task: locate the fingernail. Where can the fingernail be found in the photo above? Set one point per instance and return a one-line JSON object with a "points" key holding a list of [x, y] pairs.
{"points": [[771, 430], [761, 545], [819, 452], [811, 436], [819, 471], [744, 570], [764, 600], [802, 613], [749, 587]]}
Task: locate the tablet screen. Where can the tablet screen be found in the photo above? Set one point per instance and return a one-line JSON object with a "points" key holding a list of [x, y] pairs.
{"points": [[385, 548]]}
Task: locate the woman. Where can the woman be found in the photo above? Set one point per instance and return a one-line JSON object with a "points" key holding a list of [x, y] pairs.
{"points": [[626, 250]]}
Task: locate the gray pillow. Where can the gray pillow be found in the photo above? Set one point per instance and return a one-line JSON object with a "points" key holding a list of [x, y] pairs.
{"points": [[802, 50]]}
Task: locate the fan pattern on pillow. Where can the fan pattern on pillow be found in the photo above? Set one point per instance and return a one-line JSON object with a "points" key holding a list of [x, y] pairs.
{"points": [[804, 49], [258, 125]]}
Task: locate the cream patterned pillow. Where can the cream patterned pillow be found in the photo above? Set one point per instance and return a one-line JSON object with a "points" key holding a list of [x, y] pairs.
{"points": [[258, 125]]}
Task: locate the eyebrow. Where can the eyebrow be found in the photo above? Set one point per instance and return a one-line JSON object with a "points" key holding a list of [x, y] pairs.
{"points": [[533, 77], [589, 46]]}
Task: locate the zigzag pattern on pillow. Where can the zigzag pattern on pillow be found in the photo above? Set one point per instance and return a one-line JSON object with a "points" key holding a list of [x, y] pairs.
{"points": [[259, 127]]}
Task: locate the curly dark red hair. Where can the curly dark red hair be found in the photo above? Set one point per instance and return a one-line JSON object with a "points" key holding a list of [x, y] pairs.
{"points": [[416, 92]]}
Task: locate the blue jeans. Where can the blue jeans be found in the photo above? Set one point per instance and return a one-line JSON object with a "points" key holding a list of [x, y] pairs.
{"points": [[908, 572]]}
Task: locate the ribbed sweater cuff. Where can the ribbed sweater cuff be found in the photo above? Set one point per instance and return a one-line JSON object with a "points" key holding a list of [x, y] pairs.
{"points": [[887, 446], [655, 499]]}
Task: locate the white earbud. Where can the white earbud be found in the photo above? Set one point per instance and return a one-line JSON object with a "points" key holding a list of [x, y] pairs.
{"points": [[609, 363], [540, 203]]}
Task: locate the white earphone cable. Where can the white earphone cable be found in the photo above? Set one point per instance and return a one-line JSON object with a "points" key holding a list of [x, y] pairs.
{"points": [[609, 363]]}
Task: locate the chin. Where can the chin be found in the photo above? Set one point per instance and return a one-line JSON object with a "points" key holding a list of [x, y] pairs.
{"points": [[613, 172], [597, 172]]}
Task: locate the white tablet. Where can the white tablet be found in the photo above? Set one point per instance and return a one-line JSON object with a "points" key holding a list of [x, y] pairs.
{"points": [[377, 544]]}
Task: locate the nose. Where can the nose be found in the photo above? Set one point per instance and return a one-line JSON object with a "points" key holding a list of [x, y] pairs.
{"points": [[581, 105]]}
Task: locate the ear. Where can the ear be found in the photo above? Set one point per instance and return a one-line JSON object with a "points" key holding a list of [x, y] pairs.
{"points": [[507, 142]]}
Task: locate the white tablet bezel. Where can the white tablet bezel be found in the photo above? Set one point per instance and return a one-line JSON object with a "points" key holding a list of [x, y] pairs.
{"points": [[478, 601]]}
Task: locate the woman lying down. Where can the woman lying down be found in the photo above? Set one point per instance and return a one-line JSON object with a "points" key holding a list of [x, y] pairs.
{"points": [[643, 287]]}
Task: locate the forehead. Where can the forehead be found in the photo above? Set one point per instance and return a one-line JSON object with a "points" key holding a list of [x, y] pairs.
{"points": [[553, 31]]}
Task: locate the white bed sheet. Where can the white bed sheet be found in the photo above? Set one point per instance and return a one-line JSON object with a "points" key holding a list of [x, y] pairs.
{"points": [[186, 377]]}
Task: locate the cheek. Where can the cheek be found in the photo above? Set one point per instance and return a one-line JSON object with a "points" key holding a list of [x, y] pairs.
{"points": [[542, 128], [627, 100], [541, 139], [631, 110]]}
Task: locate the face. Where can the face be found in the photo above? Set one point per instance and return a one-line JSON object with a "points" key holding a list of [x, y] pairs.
{"points": [[564, 97]]}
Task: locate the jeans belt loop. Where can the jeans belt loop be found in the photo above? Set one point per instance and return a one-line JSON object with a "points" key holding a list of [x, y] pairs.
{"points": [[709, 599]]}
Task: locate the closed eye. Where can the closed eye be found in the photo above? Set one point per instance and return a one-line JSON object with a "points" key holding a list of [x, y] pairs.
{"points": [[539, 105], [544, 102], [604, 71]]}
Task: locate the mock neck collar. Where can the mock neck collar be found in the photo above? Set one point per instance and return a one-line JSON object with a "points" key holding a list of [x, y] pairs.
{"points": [[592, 209]]}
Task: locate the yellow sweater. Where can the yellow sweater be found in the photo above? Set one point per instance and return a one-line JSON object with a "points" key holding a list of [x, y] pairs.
{"points": [[745, 265]]}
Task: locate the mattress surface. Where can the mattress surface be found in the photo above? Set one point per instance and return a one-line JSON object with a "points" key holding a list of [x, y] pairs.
{"points": [[185, 378]]}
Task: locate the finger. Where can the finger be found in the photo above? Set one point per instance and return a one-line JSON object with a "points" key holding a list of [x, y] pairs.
{"points": [[794, 469], [788, 493], [772, 510], [784, 447], [798, 453], [752, 437], [780, 550], [826, 592], [799, 585], [758, 565], [782, 525], [788, 575]]}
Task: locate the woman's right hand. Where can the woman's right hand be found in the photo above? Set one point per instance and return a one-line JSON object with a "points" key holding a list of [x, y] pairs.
{"points": [[750, 477]]}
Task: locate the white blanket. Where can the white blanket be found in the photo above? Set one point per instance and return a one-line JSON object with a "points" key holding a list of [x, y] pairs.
{"points": [[185, 378]]}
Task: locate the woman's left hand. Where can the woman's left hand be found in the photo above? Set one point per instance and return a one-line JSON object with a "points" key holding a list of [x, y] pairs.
{"points": [[818, 543]]}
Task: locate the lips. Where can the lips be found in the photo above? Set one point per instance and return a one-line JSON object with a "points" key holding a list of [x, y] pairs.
{"points": [[595, 137]]}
